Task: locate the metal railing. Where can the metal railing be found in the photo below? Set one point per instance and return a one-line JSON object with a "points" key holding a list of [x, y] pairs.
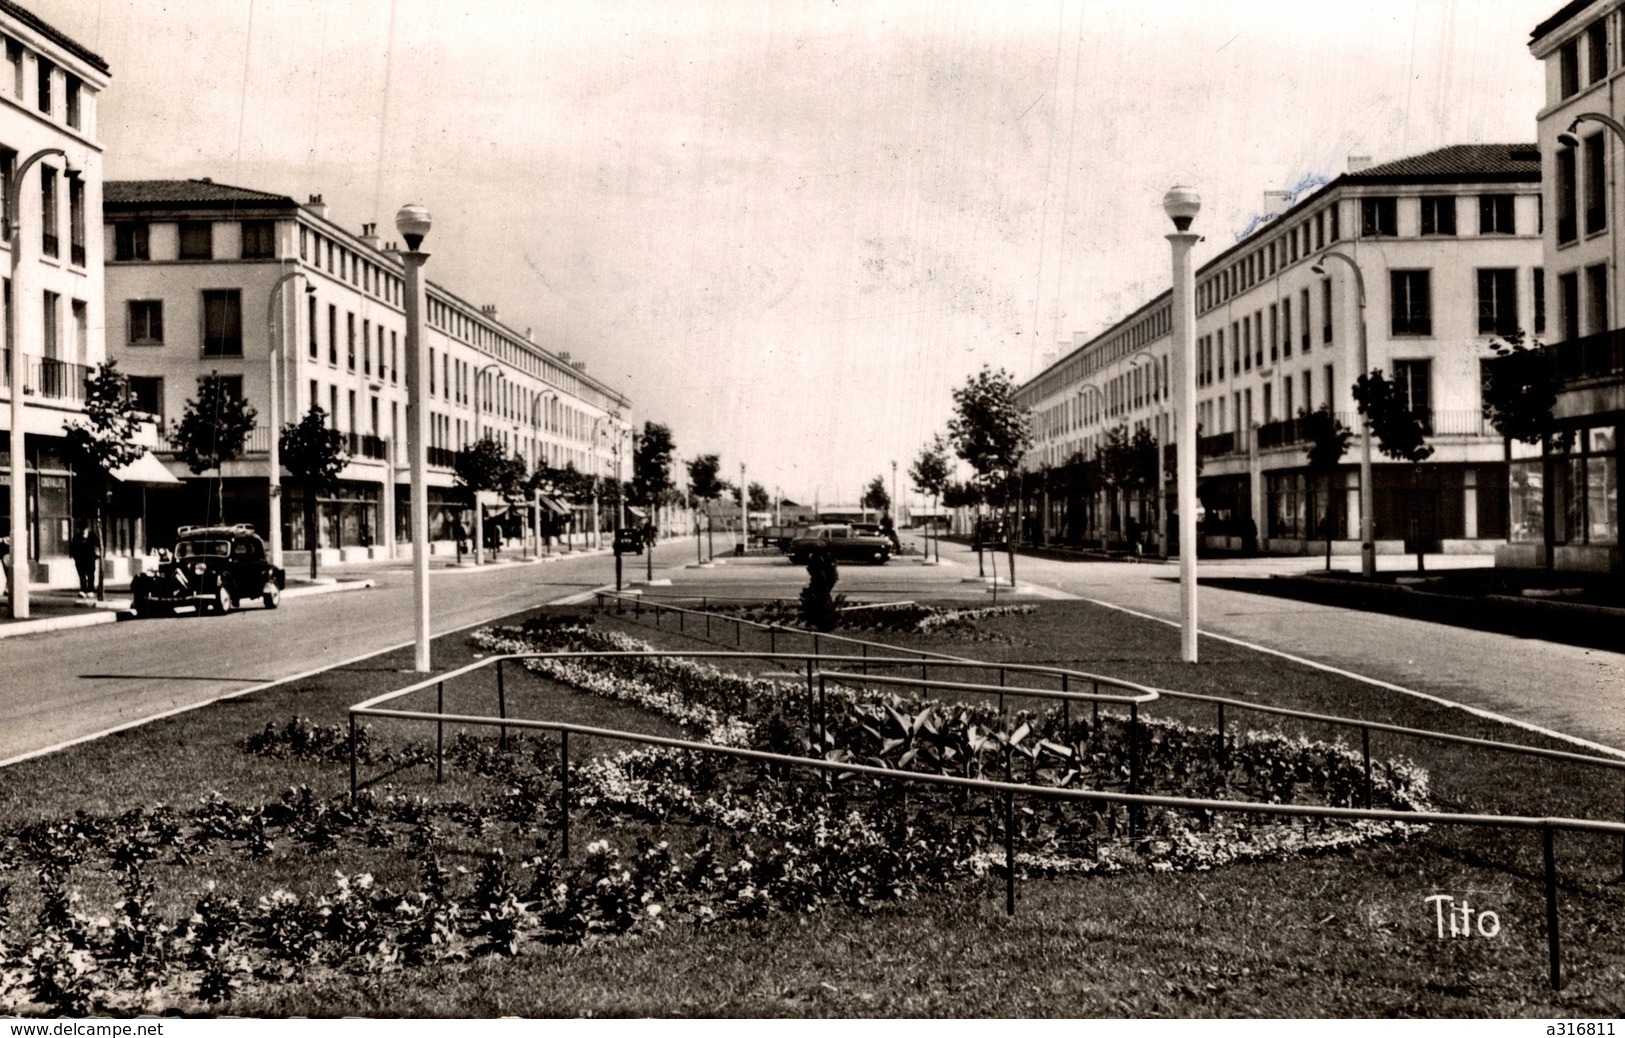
{"points": [[1008, 790], [1591, 356]]}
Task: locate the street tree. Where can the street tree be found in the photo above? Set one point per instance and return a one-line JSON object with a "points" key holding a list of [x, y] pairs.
{"points": [[651, 465], [1520, 389], [314, 454], [990, 432], [485, 467], [757, 498], [704, 486], [104, 440], [875, 496], [213, 430], [929, 473], [1328, 440], [1399, 432]]}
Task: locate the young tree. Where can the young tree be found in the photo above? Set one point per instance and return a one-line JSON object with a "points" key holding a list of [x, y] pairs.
{"points": [[757, 498], [1328, 442], [486, 467], [1400, 434], [705, 487], [213, 429], [1520, 389], [930, 474], [875, 496], [991, 433], [103, 441], [651, 466], [313, 454]]}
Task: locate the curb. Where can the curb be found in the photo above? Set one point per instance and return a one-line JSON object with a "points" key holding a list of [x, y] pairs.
{"points": [[110, 616]]}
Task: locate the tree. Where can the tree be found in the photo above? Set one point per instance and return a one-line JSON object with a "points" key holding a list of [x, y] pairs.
{"points": [[875, 496], [1328, 442], [702, 477], [929, 473], [991, 433], [313, 454], [213, 429], [104, 440], [1400, 434], [1520, 389], [651, 465], [486, 467], [757, 498]]}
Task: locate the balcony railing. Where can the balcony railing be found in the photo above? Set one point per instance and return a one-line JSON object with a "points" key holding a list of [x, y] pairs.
{"points": [[48, 378], [259, 440], [1591, 356], [442, 457], [1217, 445]]}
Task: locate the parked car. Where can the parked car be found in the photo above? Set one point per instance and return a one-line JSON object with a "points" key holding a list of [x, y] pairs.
{"points": [[213, 568], [842, 542]]}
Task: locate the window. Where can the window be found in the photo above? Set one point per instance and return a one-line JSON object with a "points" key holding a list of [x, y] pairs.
{"points": [[1320, 229], [1540, 300], [1597, 299], [1412, 307], [304, 243], [259, 239], [431, 371], [75, 91], [147, 395], [1568, 69], [197, 240], [315, 393], [1596, 185], [1275, 334], [350, 396], [366, 347], [1567, 200], [349, 340], [332, 335], [1568, 288], [1412, 385], [230, 385], [332, 407], [310, 320], [1596, 52], [1498, 302], [1495, 213], [1303, 303], [76, 221], [1247, 343], [53, 318], [394, 360], [48, 211], [1286, 327], [14, 57], [1292, 246], [1325, 310], [222, 322], [45, 68], [1379, 217], [146, 322], [1439, 214]]}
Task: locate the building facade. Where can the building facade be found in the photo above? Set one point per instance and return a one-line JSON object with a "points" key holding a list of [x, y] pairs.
{"points": [[49, 89], [205, 279], [1564, 493], [1448, 247]]}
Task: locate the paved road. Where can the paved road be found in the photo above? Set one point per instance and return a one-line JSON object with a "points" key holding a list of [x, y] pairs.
{"points": [[65, 685]]}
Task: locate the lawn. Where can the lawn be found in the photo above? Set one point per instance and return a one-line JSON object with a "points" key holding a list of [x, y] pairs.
{"points": [[1339, 934]]}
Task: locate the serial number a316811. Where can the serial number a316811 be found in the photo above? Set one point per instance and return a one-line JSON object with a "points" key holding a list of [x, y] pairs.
{"points": [[1581, 1028]]}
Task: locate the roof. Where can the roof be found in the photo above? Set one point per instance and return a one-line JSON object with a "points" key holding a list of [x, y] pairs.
{"points": [[55, 35], [203, 193], [1556, 21], [1470, 162]]}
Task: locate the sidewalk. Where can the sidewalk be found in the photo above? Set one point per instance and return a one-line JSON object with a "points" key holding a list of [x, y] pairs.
{"points": [[58, 609]]}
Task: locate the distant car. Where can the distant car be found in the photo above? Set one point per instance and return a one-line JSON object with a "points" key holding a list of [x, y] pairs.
{"points": [[629, 541], [842, 542], [213, 568], [989, 535]]}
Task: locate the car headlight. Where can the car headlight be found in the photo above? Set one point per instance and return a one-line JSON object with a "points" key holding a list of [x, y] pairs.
{"points": [[198, 568]]}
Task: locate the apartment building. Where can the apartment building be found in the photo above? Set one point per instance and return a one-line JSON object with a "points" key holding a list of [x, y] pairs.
{"points": [[193, 290], [49, 88], [1564, 495], [1447, 245]]}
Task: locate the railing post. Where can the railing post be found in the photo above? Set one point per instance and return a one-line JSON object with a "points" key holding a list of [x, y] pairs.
{"points": [[1134, 764], [923, 678], [816, 650], [352, 757], [864, 649], [502, 708], [739, 633], [772, 640], [707, 621], [439, 731], [682, 621], [812, 710], [822, 734], [564, 791], [1066, 714], [1224, 749], [1094, 710], [1553, 951], [1009, 852], [1365, 753], [1001, 691]]}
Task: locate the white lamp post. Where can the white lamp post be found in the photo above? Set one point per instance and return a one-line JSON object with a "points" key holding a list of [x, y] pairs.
{"points": [[479, 509], [1368, 543], [19, 381], [413, 223], [1083, 394], [273, 412], [1182, 204], [1161, 393], [538, 453]]}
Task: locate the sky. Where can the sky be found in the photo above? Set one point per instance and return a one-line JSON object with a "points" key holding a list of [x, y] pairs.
{"points": [[789, 229]]}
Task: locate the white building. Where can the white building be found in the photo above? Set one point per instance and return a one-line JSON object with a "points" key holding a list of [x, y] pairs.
{"points": [[1565, 498], [1448, 245], [190, 277], [49, 88]]}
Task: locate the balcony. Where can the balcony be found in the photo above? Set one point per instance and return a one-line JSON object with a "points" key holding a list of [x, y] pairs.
{"points": [[442, 457], [1216, 446], [1591, 356], [48, 378]]}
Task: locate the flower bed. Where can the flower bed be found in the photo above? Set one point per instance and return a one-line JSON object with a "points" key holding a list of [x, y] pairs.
{"points": [[897, 617]]}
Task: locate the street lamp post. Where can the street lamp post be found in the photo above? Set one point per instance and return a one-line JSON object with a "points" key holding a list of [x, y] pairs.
{"points": [[1368, 543], [1083, 392], [479, 510], [538, 452], [744, 517], [1182, 204], [1161, 392], [273, 412], [19, 380], [413, 223]]}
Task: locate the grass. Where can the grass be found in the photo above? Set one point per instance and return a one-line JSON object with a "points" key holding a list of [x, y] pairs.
{"points": [[1339, 935]]}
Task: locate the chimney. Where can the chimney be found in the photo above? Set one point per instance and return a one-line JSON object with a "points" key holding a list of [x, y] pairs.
{"points": [[1275, 203], [579, 365], [369, 235], [530, 336], [317, 206], [490, 311], [565, 356], [1045, 359], [1359, 163]]}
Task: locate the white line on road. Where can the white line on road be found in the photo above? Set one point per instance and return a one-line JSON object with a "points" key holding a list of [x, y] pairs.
{"points": [[1488, 715]]}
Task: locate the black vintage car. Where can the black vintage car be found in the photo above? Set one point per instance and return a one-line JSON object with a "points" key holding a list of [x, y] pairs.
{"points": [[841, 542], [213, 568]]}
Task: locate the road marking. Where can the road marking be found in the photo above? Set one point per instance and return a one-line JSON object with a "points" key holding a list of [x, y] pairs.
{"points": [[1488, 715], [238, 694]]}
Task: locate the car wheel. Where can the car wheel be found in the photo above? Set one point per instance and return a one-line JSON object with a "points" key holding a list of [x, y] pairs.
{"points": [[273, 597], [881, 556], [141, 607], [223, 599]]}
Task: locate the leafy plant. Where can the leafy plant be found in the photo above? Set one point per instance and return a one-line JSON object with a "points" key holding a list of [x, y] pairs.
{"points": [[213, 428], [313, 453], [819, 609], [1520, 389]]}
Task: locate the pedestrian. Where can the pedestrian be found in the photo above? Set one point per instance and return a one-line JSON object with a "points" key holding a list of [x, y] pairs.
{"points": [[5, 562], [85, 548], [493, 537]]}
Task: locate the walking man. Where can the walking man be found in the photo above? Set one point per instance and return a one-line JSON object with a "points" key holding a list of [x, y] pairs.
{"points": [[86, 551]]}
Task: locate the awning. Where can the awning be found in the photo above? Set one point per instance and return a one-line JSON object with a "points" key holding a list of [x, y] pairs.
{"points": [[554, 505], [145, 471], [635, 510]]}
